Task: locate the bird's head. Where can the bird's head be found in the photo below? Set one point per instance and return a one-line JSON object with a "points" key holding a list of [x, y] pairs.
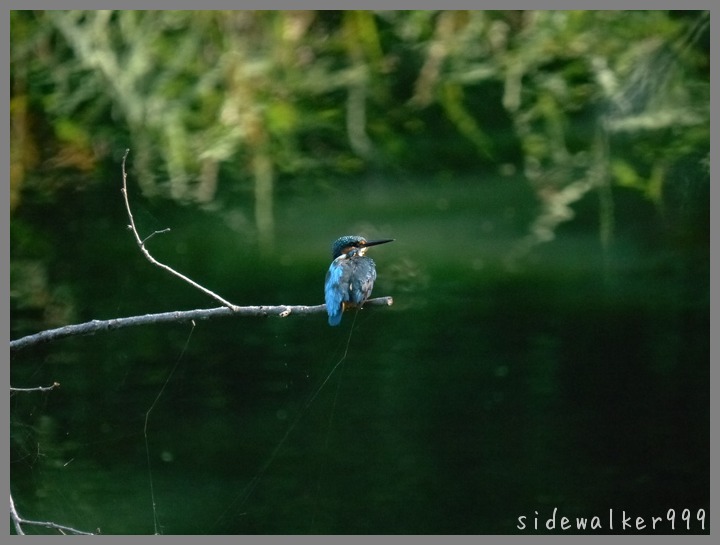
{"points": [[348, 243]]}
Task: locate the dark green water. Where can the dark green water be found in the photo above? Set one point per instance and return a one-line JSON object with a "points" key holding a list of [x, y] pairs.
{"points": [[577, 380]]}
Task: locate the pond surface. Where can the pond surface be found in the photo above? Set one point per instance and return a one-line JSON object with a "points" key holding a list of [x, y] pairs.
{"points": [[577, 379]]}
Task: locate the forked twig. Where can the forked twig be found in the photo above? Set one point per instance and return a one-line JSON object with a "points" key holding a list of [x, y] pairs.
{"points": [[150, 258], [18, 522]]}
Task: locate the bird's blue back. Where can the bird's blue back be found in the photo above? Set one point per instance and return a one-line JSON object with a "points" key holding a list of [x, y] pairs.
{"points": [[349, 280]]}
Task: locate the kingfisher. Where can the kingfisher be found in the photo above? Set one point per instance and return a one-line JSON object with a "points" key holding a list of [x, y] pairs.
{"points": [[351, 276]]}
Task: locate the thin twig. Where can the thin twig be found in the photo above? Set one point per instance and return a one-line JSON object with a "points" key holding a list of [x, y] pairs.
{"points": [[37, 388], [161, 231], [94, 326], [150, 258]]}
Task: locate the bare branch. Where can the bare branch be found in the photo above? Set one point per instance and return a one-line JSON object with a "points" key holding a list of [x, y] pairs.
{"points": [[146, 253], [18, 522], [37, 388], [94, 326]]}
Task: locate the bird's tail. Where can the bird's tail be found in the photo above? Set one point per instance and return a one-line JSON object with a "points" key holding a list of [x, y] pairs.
{"points": [[334, 318]]}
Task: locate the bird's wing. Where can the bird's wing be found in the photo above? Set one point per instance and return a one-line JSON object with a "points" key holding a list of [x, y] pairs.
{"points": [[362, 282], [336, 282]]}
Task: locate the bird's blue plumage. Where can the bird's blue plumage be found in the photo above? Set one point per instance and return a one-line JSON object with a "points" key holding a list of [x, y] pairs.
{"points": [[349, 281], [350, 278], [334, 293]]}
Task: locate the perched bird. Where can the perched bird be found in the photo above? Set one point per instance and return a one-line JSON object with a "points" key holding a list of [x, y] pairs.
{"points": [[351, 276]]}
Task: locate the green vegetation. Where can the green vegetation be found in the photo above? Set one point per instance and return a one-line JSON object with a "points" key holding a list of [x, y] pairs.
{"points": [[225, 106]]}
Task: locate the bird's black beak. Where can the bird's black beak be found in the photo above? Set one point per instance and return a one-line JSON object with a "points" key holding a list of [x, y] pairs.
{"points": [[376, 242]]}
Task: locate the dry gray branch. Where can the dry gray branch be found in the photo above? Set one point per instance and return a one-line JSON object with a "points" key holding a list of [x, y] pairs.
{"points": [[95, 326]]}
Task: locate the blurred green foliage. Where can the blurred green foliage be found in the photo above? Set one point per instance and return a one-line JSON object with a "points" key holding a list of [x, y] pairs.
{"points": [[212, 100]]}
